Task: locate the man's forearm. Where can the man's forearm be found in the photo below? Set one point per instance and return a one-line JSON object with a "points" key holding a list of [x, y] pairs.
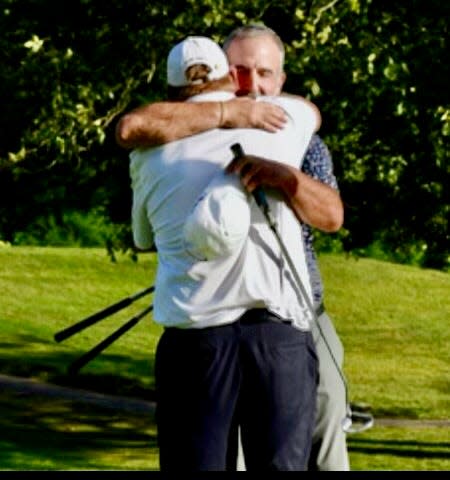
{"points": [[315, 203], [312, 201], [162, 122]]}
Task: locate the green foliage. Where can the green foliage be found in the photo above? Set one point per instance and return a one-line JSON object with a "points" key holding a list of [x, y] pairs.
{"points": [[365, 68], [74, 229], [377, 69], [330, 243]]}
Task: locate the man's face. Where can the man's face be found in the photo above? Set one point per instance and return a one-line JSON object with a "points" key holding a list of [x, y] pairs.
{"points": [[256, 65]]}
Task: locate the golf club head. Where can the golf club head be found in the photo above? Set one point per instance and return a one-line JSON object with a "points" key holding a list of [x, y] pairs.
{"points": [[357, 422]]}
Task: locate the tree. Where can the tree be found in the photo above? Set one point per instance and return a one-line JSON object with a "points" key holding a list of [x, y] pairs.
{"points": [[377, 70]]}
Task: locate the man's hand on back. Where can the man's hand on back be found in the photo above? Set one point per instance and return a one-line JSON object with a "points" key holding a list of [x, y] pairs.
{"points": [[245, 112]]}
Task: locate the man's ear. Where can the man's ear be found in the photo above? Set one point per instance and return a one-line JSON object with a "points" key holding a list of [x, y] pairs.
{"points": [[282, 80], [234, 76]]}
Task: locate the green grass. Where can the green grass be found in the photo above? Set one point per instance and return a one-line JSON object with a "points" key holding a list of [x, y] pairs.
{"points": [[49, 289], [393, 321]]}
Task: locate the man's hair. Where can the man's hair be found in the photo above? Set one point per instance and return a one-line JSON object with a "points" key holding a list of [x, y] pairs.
{"points": [[198, 75], [255, 30]]}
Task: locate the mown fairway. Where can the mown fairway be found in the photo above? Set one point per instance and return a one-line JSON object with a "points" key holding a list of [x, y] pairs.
{"points": [[393, 320]]}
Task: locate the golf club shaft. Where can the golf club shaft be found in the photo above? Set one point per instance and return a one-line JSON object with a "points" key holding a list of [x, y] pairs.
{"points": [[261, 200], [80, 362], [308, 302], [365, 420], [96, 317]]}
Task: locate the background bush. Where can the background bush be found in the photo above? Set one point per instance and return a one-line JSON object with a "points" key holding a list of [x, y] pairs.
{"points": [[378, 70]]}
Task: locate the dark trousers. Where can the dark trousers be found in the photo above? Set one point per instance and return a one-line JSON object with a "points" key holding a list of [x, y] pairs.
{"points": [[259, 372]]}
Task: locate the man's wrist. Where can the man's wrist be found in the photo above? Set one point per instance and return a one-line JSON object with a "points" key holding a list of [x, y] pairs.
{"points": [[224, 121], [221, 114]]}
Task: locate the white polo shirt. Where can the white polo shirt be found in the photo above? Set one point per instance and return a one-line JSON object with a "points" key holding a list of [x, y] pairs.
{"points": [[166, 183]]}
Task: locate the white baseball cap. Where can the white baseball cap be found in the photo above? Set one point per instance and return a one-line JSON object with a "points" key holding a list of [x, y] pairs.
{"points": [[220, 220], [195, 51]]}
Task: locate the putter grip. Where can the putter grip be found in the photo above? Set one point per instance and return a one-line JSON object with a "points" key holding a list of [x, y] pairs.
{"points": [[96, 317], [258, 193]]}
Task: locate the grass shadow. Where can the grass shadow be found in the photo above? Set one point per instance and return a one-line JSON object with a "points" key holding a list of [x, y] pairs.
{"points": [[109, 373], [402, 448], [40, 432]]}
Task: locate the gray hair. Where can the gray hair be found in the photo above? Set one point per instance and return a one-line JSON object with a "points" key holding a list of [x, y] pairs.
{"points": [[255, 30]]}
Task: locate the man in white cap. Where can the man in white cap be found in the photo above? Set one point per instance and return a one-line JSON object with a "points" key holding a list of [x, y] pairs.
{"points": [[237, 337], [256, 54]]}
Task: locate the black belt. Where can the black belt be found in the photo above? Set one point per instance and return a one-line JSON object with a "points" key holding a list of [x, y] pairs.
{"points": [[261, 315]]}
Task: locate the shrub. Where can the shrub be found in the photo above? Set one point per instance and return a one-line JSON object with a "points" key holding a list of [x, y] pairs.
{"points": [[73, 229]]}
